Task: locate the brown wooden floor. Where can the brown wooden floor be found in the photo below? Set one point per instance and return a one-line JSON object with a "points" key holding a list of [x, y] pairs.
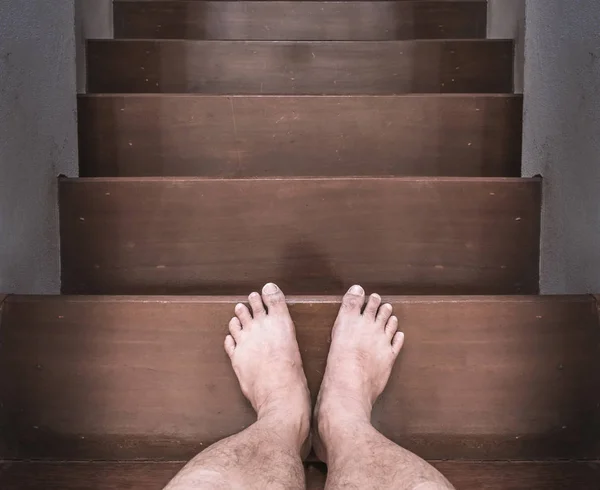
{"points": [[276, 20], [154, 476], [300, 67], [312, 136], [117, 378], [312, 236]]}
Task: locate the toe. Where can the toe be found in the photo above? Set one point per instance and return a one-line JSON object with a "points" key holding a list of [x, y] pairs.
{"points": [[274, 298], [229, 345], [397, 343], [354, 300], [384, 314], [235, 328], [372, 306], [256, 304], [391, 327], [243, 313]]}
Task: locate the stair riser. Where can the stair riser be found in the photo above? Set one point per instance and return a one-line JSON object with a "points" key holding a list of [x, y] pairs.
{"points": [[328, 21], [203, 236], [479, 378], [219, 136], [230, 67]]}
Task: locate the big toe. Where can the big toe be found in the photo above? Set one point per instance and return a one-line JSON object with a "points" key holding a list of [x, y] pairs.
{"points": [[274, 299], [353, 300]]}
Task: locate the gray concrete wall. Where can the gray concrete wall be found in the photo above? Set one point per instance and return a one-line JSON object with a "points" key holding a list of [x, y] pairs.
{"points": [[562, 138], [37, 138]]}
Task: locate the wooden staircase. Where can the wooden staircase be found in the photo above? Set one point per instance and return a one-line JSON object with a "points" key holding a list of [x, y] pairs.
{"points": [[315, 144]]}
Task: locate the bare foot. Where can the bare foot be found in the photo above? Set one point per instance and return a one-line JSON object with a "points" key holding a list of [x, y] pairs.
{"points": [[363, 350], [265, 357]]}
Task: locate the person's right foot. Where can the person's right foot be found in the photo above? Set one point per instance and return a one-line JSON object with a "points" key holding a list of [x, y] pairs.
{"points": [[363, 350], [265, 357]]}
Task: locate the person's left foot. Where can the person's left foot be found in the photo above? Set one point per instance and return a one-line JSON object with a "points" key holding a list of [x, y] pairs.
{"points": [[264, 353]]}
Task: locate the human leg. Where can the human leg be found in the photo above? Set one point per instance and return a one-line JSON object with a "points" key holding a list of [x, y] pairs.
{"points": [[364, 347], [265, 357]]}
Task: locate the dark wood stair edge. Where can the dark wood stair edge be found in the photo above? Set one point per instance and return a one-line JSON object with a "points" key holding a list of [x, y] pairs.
{"points": [[308, 463], [150, 95], [3, 298], [597, 299], [147, 475], [294, 298], [291, 299]]}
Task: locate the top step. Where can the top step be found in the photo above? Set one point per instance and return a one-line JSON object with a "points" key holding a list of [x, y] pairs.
{"points": [[274, 20]]}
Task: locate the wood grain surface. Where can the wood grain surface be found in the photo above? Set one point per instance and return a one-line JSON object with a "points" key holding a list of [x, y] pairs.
{"points": [[270, 136], [155, 475], [314, 236], [300, 67], [274, 20], [147, 378]]}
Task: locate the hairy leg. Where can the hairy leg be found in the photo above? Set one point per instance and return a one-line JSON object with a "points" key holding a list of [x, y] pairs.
{"points": [[363, 350], [265, 357]]}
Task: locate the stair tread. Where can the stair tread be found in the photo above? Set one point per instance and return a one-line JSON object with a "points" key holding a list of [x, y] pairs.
{"points": [[280, 20], [252, 136], [112, 378], [155, 475], [314, 236], [300, 67]]}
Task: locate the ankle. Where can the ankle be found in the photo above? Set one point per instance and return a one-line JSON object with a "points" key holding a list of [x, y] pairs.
{"points": [[291, 427], [338, 437], [338, 402], [289, 417], [337, 418]]}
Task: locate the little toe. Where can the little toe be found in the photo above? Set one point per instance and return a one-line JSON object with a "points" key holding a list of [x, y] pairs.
{"points": [[256, 303], [274, 299], [397, 343], [229, 345], [384, 314], [243, 313], [391, 327], [372, 306], [353, 300], [235, 328]]}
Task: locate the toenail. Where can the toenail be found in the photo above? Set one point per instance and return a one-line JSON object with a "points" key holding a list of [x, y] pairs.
{"points": [[356, 289], [270, 288]]}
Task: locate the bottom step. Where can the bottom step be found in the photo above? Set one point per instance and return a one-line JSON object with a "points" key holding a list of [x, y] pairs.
{"points": [[154, 476], [146, 378]]}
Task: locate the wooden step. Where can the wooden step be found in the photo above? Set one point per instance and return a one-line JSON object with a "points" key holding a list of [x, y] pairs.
{"points": [[256, 136], [300, 67], [310, 21], [314, 236], [155, 475], [118, 378]]}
